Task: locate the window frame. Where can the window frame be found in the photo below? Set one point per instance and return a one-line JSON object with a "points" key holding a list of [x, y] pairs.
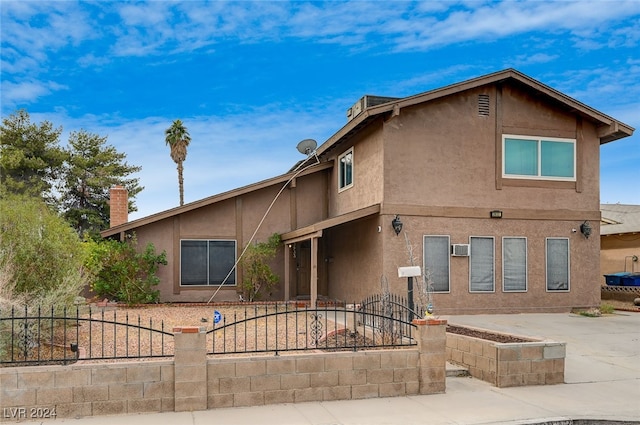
{"points": [[526, 265], [493, 265], [448, 254], [342, 172], [546, 264], [232, 276], [539, 140]]}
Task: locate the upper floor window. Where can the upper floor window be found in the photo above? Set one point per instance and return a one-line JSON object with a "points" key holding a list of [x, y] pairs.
{"points": [[546, 158], [345, 171]]}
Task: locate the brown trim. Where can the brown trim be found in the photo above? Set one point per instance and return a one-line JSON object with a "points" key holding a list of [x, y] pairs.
{"points": [[483, 213], [545, 184], [308, 231], [176, 255], [498, 136], [580, 163], [539, 132], [293, 204], [239, 238]]}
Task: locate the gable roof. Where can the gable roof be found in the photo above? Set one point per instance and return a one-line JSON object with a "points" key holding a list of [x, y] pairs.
{"points": [[609, 129], [213, 199], [619, 218]]}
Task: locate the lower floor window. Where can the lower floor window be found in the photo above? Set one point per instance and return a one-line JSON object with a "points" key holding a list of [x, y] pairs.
{"points": [[557, 264], [207, 262], [436, 262], [481, 272], [514, 264]]}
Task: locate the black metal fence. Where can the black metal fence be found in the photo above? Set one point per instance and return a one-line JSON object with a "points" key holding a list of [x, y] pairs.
{"points": [[391, 312], [291, 327], [37, 336]]}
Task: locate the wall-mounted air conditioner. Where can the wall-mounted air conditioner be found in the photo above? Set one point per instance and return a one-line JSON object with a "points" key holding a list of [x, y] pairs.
{"points": [[460, 250]]}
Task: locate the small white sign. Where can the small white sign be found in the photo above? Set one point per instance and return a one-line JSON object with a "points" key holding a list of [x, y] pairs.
{"points": [[410, 271]]}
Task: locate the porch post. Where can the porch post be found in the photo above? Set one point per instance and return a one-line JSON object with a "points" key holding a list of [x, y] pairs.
{"points": [[287, 272], [314, 272]]}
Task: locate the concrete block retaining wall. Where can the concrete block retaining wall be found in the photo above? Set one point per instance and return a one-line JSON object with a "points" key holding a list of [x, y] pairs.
{"points": [[191, 381], [508, 364]]}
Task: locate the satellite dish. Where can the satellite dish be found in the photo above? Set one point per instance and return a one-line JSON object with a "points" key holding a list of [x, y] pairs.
{"points": [[307, 146]]}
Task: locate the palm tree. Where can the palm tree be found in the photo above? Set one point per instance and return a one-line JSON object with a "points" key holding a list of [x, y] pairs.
{"points": [[177, 137]]}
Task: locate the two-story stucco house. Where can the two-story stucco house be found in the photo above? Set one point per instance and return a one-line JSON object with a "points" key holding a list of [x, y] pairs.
{"points": [[495, 181]]}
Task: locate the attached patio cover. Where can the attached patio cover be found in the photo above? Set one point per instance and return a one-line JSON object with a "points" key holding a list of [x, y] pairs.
{"points": [[313, 233]]}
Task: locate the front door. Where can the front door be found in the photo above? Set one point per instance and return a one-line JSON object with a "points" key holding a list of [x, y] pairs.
{"points": [[303, 266]]}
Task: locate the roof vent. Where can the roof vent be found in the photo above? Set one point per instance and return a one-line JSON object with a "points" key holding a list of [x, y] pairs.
{"points": [[483, 105]]}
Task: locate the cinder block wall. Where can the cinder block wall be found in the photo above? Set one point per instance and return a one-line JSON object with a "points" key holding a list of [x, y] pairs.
{"points": [[508, 364], [86, 390], [312, 377], [191, 381]]}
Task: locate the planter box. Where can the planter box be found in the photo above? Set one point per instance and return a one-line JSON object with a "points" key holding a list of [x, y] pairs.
{"points": [[509, 364]]}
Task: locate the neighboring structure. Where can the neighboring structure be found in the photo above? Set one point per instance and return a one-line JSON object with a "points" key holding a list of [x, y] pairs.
{"points": [[619, 239], [501, 170]]}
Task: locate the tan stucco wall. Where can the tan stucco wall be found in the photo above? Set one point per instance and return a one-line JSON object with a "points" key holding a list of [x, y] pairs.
{"points": [[445, 154], [616, 252], [584, 272], [354, 259], [368, 173]]}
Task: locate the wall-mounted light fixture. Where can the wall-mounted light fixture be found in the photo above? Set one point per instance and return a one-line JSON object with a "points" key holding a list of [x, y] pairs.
{"points": [[496, 214], [585, 229], [397, 224]]}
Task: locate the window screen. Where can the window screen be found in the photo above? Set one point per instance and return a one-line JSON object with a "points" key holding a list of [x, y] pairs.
{"points": [[207, 262], [436, 261], [557, 264], [514, 264], [532, 157], [481, 264]]}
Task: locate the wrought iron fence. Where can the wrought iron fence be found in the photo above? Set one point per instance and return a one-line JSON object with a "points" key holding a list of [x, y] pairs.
{"points": [[292, 327], [35, 336], [390, 311], [32, 336]]}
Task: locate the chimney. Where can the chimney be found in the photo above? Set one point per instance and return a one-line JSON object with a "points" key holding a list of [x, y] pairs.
{"points": [[119, 206]]}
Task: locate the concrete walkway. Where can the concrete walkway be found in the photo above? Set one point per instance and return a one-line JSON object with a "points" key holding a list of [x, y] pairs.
{"points": [[602, 382]]}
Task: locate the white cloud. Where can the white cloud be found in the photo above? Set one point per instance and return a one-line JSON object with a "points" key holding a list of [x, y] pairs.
{"points": [[27, 91]]}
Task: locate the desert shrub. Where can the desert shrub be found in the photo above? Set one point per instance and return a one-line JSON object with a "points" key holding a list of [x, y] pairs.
{"points": [[258, 277], [41, 257], [121, 273]]}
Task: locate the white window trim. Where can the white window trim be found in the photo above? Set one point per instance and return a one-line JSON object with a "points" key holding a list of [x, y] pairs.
{"points": [[546, 253], [424, 266], [538, 139], [471, 291], [344, 154], [235, 271], [526, 269]]}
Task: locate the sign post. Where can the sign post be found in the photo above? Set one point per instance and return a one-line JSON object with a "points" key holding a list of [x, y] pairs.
{"points": [[409, 272]]}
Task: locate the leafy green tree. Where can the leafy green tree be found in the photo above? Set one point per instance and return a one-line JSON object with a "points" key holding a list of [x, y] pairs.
{"points": [[122, 273], [30, 156], [258, 277], [92, 167], [41, 252], [178, 138]]}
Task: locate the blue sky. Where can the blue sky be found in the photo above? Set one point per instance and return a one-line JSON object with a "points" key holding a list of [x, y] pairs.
{"points": [[251, 79]]}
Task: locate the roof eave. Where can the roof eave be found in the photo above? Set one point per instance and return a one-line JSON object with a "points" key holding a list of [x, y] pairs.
{"points": [[125, 227]]}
